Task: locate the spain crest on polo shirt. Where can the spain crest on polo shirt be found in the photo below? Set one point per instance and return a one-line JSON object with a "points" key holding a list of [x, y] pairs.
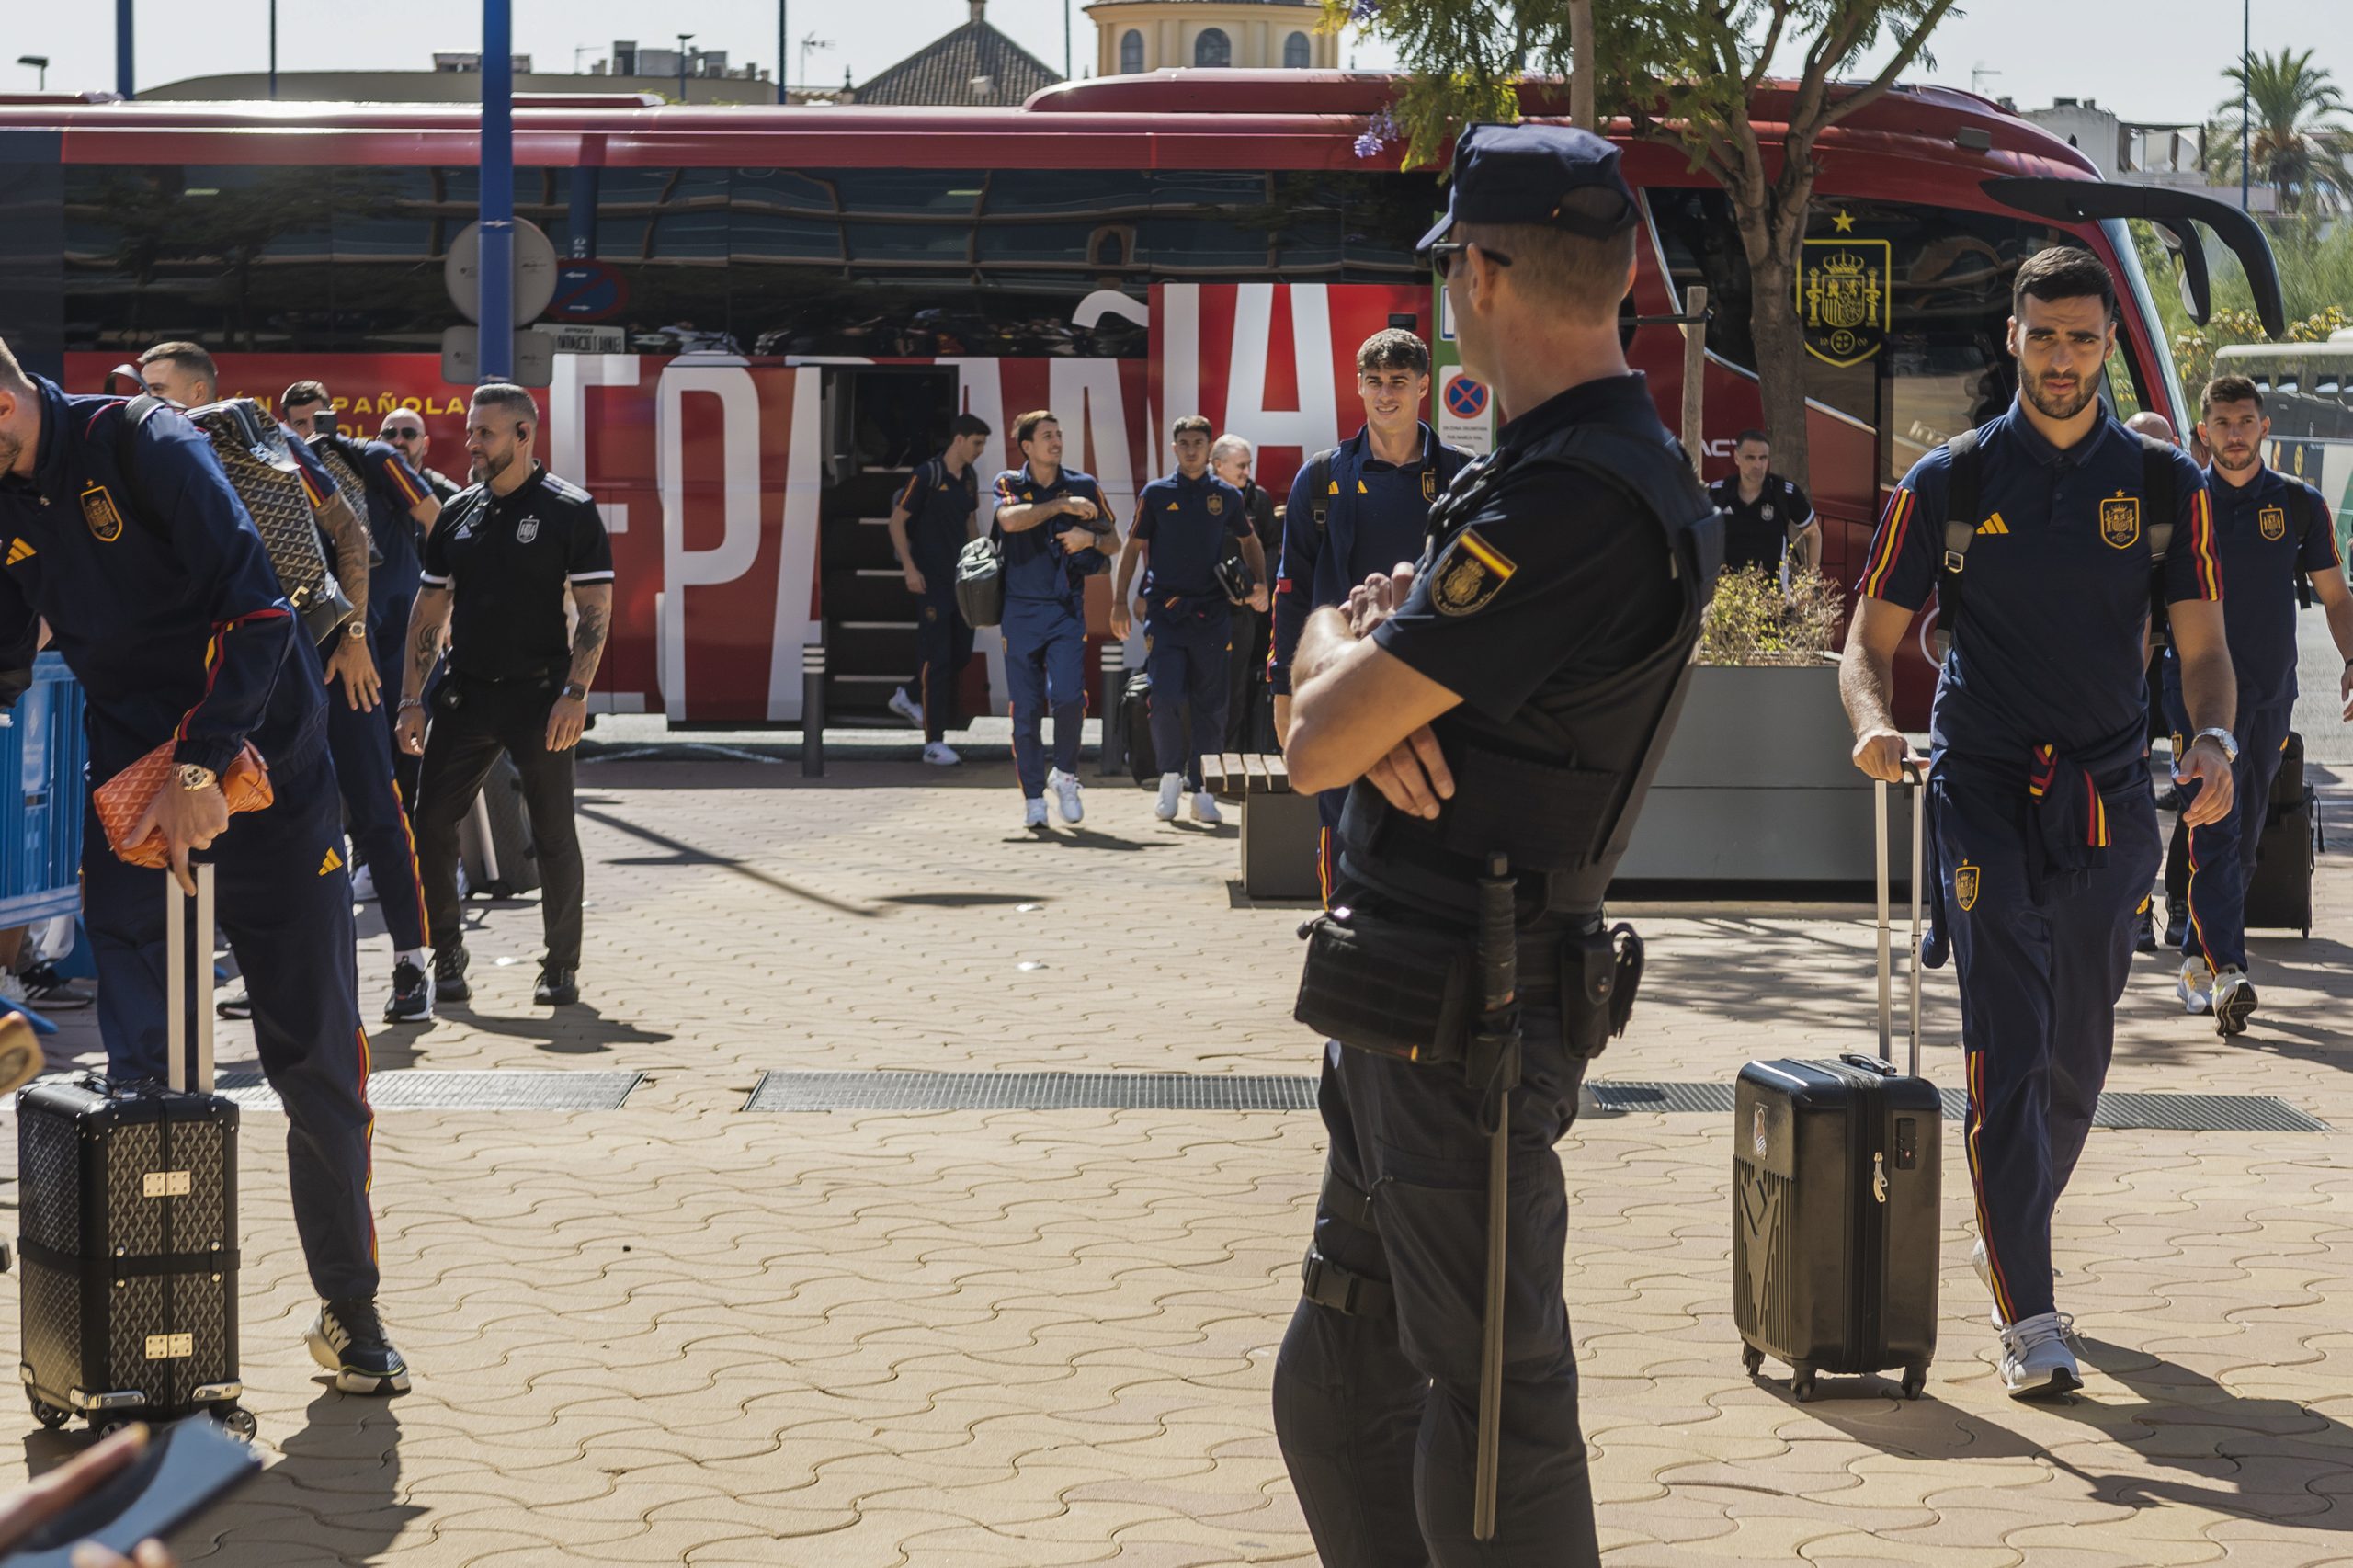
{"points": [[2119, 520], [1217, 506], [1965, 879], [99, 511], [2272, 521], [1429, 484]]}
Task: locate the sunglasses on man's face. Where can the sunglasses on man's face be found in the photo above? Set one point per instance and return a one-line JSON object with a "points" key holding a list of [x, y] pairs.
{"points": [[400, 433], [1442, 255]]}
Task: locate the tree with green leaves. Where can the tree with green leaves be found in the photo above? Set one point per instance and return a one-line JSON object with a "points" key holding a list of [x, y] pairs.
{"points": [[2296, 141], [1682, 74]]}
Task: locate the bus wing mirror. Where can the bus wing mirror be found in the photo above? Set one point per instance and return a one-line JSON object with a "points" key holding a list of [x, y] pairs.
{"points": [[2181, 242], [2092, 201]]}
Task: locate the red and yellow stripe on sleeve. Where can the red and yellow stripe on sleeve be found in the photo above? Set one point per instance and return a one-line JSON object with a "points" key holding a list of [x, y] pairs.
{"points": [[2208, 566], [412, 488], [213, 650], [315, 492], [1887, 544]]}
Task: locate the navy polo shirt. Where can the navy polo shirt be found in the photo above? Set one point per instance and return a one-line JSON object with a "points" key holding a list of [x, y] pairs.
{"points": [[1376, 514], [2049, 649], [156, 588], [2267, 532], [1191, 524], [1036, 566], [1757, 532], [939, 506]]}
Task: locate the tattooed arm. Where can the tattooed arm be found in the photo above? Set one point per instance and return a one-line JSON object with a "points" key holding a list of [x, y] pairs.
{"points": [[349, 660], [569, 716], [428, 620]]}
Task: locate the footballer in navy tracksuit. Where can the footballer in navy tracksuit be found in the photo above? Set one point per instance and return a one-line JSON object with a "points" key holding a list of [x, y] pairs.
{"points": [[131, 545], [1186, 525], [1042, 509], [2039, 806], [2269, 529]]}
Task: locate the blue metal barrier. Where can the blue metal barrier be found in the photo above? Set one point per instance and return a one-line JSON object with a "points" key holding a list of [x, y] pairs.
{"points": [[43, 759]]}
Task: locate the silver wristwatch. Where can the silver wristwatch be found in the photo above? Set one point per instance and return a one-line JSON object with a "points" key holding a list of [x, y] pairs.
{"points": [[2220, 736]]}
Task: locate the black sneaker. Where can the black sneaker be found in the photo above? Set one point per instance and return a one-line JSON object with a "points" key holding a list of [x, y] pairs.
{"points": [[450, 974], [348, 1339], [237, 1005], [2144, 927], [412, 998], [557, 988], [2176, 923], [48, 994]]}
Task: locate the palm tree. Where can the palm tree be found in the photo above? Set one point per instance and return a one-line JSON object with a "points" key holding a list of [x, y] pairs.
{"points": [[2296, 143]]}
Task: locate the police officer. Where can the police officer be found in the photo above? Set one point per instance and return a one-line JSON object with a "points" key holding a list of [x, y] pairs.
{"points": [[2269, 529], [931, 521], [2039, 803], [1766, 518], [1231, 459], [1358, 509], [1185, 525], [129, 543], [358, 737], [1058, 531], [1497, 698], [495, 575]]}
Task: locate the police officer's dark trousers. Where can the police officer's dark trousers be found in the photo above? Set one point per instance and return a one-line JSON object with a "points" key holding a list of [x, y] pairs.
{"points": [[473, 720], [1377, 1408], [943, 647], [1188, 667], [362, 749], [2216, 857], [2042, 965], [285, 907]]}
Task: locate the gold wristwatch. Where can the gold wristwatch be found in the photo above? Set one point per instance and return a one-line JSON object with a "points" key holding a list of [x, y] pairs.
{"points": [[194, 777]]}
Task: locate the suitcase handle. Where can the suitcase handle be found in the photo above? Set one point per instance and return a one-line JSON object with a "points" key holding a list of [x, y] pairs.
{"points": [[1914, 778], [188, 964]]}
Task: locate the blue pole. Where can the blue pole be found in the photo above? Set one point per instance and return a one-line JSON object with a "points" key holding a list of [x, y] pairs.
{"points": [[122, 27], [497, 190]]}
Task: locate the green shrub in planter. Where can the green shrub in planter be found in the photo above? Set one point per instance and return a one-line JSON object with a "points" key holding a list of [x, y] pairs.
{"points": [[1753, 621]]}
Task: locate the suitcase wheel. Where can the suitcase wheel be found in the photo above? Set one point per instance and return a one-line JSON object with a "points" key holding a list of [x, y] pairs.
{"points": [[1914, 1379], [1802, 1383], [237, 1420], [1752, 1359], [49, 1415]]}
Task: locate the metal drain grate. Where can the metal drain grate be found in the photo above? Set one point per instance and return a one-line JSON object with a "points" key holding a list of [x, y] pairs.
{"points": [[2168, 1113], [1028, 1091], [423, 1090]]}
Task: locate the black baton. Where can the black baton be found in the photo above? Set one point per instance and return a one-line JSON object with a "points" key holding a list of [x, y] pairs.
{"points": [[1499, 1054]]}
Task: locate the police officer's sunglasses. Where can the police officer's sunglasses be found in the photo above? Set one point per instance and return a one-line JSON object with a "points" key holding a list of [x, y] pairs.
{"points": [[1441, 255]]}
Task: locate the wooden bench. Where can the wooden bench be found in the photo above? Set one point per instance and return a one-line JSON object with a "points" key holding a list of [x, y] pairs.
{"points": [[1279, 826]]}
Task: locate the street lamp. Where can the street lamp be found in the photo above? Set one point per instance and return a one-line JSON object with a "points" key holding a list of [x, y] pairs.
{"points": [[783, 49], [682, 65], [2246, 71], [38, 63]]}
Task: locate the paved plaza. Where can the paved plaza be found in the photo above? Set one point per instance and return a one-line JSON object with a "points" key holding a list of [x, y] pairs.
{"points": [[682, 1331]]}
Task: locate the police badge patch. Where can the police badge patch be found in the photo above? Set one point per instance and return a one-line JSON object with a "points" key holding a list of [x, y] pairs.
{"points": [[1470, 574], [1964, 885], [2119, 520], [527, 530], [99, 511], [2273, 522]]}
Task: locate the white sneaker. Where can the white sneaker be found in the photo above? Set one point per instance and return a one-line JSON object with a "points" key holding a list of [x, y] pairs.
{"points": [[1065, 789], [939, 754], [905, 706], [1172, 787], [1205, 810], [2233, 1001], [363, 884], [2191, 987], [1033, 813], [1977, 1260], [2036, 1362]]}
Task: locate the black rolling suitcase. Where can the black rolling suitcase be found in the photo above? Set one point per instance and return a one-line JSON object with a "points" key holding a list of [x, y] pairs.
{"points": [[1835, 1192], [2280, 881], [1135, 721], [495, 840], [129, 1206]]}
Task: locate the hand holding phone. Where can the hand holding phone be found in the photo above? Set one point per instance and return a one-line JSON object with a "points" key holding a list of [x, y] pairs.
{"points": [[122, 1498]]}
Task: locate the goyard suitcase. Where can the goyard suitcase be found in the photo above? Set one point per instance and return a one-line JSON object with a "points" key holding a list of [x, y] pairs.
{"points": [[1835, 1187], [252, 450], [2279, 875], [129, 1206]]}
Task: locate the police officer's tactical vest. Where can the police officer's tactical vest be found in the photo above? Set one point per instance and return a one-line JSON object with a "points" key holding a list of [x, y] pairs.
{"points": [[1562, 802]]}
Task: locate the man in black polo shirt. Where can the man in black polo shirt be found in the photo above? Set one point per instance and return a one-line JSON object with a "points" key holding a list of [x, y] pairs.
{"points": [[496, 571], [931, 523], [1763, 514]]}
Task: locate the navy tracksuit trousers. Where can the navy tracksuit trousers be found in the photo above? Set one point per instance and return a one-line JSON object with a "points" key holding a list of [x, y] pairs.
{"points": [[1045, 671], [943, 647], [2221, 853], [1188, 665], [381, 836], [2041, 966], [284, 903]]}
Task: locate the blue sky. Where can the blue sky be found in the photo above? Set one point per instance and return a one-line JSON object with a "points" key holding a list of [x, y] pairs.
{"points": [[2151, 60]]}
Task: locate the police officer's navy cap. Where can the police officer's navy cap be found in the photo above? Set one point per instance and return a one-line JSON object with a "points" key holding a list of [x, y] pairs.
{"points": [[1549, 175]]}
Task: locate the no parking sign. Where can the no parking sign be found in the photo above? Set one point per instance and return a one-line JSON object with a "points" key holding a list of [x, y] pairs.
{"points": [[1466, 415]]}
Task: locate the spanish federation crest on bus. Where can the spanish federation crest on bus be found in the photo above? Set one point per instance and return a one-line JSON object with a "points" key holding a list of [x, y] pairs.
{"points": [[1842, 298]]}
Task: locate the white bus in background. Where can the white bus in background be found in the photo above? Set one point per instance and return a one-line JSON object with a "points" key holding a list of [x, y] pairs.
{"points": [[2308, 391]]}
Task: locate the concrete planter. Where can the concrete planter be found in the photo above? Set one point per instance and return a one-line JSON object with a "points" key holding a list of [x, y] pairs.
{"points": [[1757, 795]]}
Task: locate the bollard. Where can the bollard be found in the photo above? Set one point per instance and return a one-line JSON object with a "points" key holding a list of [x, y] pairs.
{"points": [[813, 710], [1114, 750]]}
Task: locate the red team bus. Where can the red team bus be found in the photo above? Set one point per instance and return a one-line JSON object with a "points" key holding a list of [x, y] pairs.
{"points": [[768, 316]]}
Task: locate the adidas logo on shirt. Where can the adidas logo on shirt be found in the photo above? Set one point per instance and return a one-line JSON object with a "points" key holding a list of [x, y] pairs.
{"points": [[1994, 525], [332, 863]]}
